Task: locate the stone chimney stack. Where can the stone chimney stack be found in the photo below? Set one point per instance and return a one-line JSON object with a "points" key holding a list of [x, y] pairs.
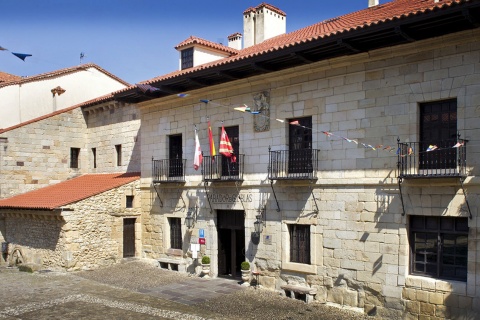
{"points": [[372, 3], [261, 23], [235, 41]]}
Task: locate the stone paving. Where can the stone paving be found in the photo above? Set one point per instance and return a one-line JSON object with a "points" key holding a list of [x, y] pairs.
{"points": [[138, 290]]}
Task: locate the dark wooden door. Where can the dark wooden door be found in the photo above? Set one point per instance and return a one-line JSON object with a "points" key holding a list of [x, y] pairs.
{"points": [[129, 237], [438, 126], [175, 168], [231, 242], [300, 146]]}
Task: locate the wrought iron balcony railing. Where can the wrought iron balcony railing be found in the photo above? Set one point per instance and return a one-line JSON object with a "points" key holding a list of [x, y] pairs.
{"points": [[428, 159], [168, 170], [293, 164], [221, 168]]}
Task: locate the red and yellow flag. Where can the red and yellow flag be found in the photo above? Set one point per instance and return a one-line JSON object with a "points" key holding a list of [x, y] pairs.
{"points": [[225, 146], [210, 140]]}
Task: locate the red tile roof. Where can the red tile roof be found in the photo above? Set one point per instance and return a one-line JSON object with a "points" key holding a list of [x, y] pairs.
{"points": [[265, 5], [68, 192], [195, 40], [394, 10], [59, 73], [6, 77]]}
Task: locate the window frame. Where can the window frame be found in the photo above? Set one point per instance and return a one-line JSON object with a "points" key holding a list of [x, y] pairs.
{"points": [[436, 236], [187, 58], [118, 150], [129, 201], [176, 237], [296, 247], [74, 158]]}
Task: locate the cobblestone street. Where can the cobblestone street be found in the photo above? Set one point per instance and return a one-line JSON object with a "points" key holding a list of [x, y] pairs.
{"points": [[138, 290]]}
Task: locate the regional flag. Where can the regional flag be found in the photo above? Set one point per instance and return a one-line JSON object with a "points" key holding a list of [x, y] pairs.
{"points": [[213, 153], [198, 158], [225, 146]]}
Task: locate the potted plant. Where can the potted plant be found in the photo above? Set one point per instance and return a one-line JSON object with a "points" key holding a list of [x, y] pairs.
{"points": [[245, 268], [206, 266]]}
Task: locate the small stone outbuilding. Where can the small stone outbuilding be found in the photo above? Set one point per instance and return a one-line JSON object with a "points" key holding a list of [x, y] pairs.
{"points": [[82, 223]]}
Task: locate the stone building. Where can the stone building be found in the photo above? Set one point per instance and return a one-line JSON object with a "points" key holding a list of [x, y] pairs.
{"points": [[356, 155], [82, 223], [70, 186], [27, 98]]}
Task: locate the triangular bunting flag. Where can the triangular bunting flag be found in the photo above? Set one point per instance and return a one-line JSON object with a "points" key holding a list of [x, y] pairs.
{"points": [[21, 55]]}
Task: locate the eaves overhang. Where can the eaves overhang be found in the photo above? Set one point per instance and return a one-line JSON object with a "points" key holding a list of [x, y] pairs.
{"points": [[440, 21]]}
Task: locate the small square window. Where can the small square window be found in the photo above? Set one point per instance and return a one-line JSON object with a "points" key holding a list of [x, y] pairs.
{"points": [[74, 156], [129, 202]]}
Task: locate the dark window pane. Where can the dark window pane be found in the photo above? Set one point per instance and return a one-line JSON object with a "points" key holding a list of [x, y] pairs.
{"points": [[447, 224], [431, 223], [419, 267], [431, 269], [417, 222], [461, 224]]}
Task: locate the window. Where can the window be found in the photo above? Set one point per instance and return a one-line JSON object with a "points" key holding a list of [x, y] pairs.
{"points": [[94, 154], [175, 156], [300, 146], [175, 233], [438, 126], [118, 149], [187, 58], [74, 156], [299, 243], [439, 247], [129, 202]]}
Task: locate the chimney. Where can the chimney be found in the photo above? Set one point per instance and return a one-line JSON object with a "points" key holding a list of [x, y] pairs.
{"points": [[235, 41], [261, 23], [372, 3]]}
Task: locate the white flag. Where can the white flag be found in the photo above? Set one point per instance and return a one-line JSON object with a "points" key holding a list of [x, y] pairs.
{"points": [[197, 161]]}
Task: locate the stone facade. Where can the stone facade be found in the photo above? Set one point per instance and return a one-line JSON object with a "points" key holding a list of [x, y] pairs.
{"points": [[37, 154], [84, 235], [359, 235]]}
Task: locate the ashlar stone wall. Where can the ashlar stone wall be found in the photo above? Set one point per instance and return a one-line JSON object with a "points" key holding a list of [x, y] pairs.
{"points": [[84, 235], [357, 215]]}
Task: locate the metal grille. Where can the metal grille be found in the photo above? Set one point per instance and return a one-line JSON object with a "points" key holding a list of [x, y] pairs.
{"points": [[439, 247], [162, 171], [296, 164], [221, 168], [175, 233], [414, 161], [299, 243]]}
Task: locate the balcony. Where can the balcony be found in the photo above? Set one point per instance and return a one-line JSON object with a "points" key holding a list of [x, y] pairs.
{"points": [[168, 170], [293, 164], [221, 168], [447, 159]]}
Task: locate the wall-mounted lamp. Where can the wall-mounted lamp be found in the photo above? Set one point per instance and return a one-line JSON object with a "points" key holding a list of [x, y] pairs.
{"points": [[258, 225], [191, 217]]}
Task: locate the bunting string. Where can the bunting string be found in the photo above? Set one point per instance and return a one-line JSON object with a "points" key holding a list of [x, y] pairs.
{"points": [[20, 56], [378, 147]]}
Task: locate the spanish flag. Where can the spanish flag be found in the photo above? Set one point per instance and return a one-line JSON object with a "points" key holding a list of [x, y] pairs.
{"points": [[210, 140]]}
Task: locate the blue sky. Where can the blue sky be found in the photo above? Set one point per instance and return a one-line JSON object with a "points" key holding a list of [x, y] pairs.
{"points": [[133, 39]]}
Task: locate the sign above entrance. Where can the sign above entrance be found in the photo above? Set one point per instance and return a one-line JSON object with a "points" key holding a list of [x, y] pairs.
{"points": [[230, 198]]}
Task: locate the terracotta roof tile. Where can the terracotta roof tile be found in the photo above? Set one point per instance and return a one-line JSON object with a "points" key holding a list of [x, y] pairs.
{"points": [[265, 5], [61, 72], [7, 77], [195, 40], [394, 10], [68, 192]]}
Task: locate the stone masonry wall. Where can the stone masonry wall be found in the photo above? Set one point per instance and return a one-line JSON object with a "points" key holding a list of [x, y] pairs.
{"points": [[85, 235], [359, 243]]}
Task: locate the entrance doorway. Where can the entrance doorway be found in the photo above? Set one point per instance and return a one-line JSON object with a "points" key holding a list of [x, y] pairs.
{"points": [[231, 242], [129, 237]]}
